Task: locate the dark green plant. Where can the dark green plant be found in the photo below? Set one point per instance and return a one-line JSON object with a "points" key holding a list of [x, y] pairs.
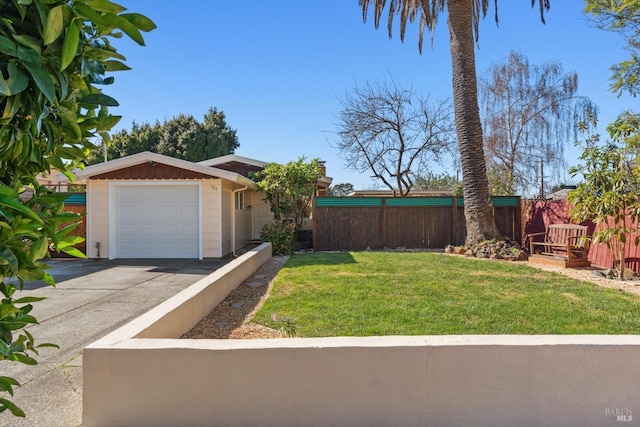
{"points": [[281, 234], [53, 56], [289, 188], [289, 325], [623, 17], [182, 137], [609, 191]]}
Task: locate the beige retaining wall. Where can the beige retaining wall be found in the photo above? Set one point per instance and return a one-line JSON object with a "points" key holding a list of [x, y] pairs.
{"points": [[140, 375]]}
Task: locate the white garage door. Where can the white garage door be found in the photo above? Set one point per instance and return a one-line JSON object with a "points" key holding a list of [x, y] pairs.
{"points": [[157, 221]]}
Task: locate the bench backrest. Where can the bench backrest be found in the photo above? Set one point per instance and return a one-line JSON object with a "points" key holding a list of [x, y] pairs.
{"points": [[559, 233]]}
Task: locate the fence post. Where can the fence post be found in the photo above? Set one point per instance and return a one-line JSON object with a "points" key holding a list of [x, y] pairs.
{"points": [[314, 226], [454, 204], [384, 221]]}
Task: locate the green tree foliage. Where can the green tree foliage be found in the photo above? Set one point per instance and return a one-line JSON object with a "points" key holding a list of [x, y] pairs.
{"points": [[54, 56], [439, 182], [182, 137], [622, 16], [530, 114], [609, 192], [289, 188], [340, 190]]}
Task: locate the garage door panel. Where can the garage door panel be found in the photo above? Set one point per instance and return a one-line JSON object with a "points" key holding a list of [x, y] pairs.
{"points": [[148, 250], [188, 228], [127, 193], [169, 230], [168, 249], [169, 212], [157, 221], [170, 193], [148, 194], [188, 194], [148, 230]]}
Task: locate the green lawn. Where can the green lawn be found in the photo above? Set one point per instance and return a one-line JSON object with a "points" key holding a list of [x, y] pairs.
{"points": [[387, 293]]}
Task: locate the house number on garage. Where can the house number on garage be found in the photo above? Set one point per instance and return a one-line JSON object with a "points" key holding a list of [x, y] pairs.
{"points": [[214, 187]]}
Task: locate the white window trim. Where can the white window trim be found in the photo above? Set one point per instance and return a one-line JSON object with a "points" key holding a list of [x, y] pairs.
{"points": [[239, 201]]}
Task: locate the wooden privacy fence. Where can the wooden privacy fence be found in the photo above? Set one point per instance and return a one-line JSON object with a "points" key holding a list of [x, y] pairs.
{"points": [[76, 203], [357, 223]]}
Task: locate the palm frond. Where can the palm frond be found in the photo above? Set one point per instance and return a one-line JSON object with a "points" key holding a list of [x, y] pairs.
{"points": [[429, 10]]}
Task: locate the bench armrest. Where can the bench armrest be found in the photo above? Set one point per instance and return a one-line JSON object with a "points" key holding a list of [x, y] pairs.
{"points": [[537, 234]]}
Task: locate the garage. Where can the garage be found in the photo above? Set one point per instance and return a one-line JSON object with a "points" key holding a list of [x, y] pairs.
{"points": [[147, 205], [156, 221]]}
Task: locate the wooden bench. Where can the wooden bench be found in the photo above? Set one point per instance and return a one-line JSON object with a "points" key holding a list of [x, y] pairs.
{"points": [[561, 244]]}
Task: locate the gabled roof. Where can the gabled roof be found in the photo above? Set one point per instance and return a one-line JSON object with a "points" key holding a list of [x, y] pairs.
{"points": [[232, 158], [148, 157], [243, 165]]}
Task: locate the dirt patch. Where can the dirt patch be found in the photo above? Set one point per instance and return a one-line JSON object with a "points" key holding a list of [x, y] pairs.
{"points": [[232, 317], [589, 274]]}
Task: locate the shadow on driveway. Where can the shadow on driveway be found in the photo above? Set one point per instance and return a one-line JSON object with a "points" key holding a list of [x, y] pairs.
{"points": [[63, 269]]}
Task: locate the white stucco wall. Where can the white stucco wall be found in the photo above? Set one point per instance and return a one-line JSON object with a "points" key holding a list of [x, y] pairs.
{"points": [[142, 375]]}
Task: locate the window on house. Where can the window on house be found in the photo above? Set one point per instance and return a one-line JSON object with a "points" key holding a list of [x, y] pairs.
{"points": [[239, 201]]}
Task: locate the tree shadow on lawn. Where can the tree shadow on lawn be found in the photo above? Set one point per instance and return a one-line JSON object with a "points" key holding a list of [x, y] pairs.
{"points": [[322, 258]]}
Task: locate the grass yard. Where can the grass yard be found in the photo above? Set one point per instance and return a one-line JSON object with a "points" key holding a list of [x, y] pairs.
{"points": [[389, 293]]}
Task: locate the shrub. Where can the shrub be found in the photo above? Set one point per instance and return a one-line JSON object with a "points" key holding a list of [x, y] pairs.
{"points": [[280, 234]]}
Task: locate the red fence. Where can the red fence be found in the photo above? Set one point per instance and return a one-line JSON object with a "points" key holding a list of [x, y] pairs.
{"points": [[537, 215]]}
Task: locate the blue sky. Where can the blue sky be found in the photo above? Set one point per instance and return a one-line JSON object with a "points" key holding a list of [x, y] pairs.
{"points": [[277, 68]]}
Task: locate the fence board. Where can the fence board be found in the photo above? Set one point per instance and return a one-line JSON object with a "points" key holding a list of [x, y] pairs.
{"points": [[80, 230], [411, 222], [419, 227], [347, 227]]}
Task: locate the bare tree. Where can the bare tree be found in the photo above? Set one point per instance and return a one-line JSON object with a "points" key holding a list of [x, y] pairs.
{"points": [[393, 134], [530, 114]]}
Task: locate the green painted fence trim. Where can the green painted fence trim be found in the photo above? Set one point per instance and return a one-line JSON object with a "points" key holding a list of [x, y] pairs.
{"points": [[76, 199], [505, 201], [497, 201], [501, 201], [349, 201], [419, 201]]}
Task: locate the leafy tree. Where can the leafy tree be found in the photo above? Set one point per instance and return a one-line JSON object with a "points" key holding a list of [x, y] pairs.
{"points": [[289, 188], [437, 182], [340, 190], [622, 16], [53, 56], [609, 193], [463, 21], [182, 137], [530, 113], [393, 134]]}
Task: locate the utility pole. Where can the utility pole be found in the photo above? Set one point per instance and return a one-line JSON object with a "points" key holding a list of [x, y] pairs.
{"points": [[541, 179]]}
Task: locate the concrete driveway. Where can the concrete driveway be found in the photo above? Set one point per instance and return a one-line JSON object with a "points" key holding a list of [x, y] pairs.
{"points": [[91, 299]]}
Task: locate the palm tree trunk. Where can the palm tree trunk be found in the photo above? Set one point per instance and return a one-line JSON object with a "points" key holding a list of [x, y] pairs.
{"points": [[478, 209]]}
